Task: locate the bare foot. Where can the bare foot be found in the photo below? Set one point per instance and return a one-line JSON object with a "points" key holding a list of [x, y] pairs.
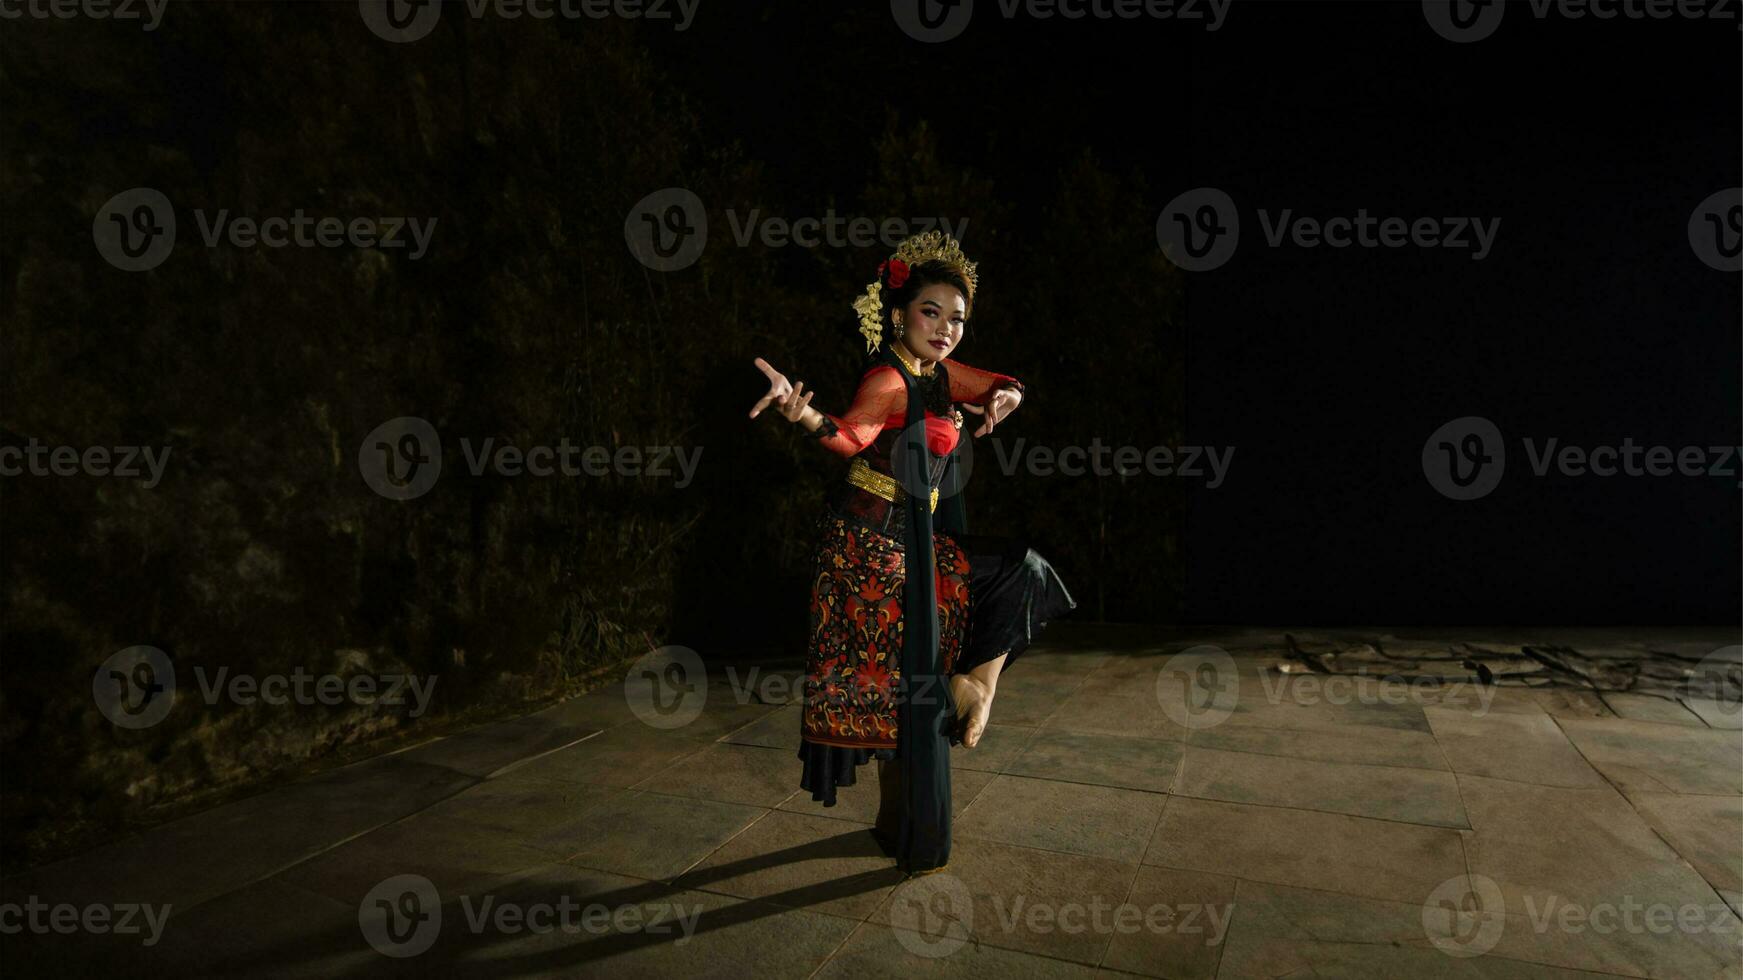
{"points": [[974, 705]]}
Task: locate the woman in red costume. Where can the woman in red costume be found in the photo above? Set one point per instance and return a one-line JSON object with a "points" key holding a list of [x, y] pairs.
{"points": [[912, 619]]}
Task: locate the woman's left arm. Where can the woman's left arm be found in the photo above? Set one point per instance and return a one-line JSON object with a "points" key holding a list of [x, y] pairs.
{"points": [[985, 393]]}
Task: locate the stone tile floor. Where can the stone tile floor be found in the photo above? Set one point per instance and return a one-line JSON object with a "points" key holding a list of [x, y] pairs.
{"points": [[1124, 816]]}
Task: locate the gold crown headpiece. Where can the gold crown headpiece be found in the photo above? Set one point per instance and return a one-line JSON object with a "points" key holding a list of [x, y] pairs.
{"points": [[918, 248]]}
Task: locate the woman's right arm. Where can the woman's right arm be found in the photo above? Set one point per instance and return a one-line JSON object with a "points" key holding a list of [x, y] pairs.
{"points": [[881, 396]]}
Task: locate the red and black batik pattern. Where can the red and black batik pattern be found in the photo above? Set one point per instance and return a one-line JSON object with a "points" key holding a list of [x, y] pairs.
{"points": [[854, 661]]}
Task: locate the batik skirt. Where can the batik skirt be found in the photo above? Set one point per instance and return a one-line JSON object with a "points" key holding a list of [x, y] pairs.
{"points": [[993, 595]]}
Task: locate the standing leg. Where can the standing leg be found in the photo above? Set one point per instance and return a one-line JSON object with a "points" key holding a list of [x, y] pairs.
{"points": [[888, 828]]}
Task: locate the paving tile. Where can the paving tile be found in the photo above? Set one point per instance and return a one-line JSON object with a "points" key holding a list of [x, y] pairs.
{"points": [[1412, 749], [518, 805], [488, 748], [1723, 715], [778, 729], [1418, 796], [264, 929], [1553, 844], [1178, 925], [747, 774], [1124, 676], [1059, 905], [647, 835], [1103, 821], [1327, 851], [1652, 758], [623, 927], [1113, 715], [1526, 746], [1316, 713], [270, 928], [801, 861], [1028, 706], [1644, 707], [879, 950], [1706, 830], [208, 854], [1103, 760], [1285, 931], [453, 854], [998, 746], [859, 802], [619, 757]]}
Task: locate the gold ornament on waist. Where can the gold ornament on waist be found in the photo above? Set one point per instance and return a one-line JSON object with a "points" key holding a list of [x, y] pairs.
{"points": [[861, 475]]}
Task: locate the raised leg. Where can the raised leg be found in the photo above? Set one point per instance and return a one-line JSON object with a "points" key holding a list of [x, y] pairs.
{"points": [[973, 692]]}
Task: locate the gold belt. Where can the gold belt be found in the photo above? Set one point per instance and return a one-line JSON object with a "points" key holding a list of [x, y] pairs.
{"points": [[861, 475]]}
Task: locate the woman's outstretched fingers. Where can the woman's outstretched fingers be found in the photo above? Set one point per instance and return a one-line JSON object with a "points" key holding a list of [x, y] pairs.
{"points": [[778, 387]]}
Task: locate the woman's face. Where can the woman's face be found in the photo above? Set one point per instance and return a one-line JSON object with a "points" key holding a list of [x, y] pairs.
{"points": [[932, 324]]}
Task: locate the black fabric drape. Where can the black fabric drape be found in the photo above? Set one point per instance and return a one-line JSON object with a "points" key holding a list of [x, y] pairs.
{"points": [[924, 710]]}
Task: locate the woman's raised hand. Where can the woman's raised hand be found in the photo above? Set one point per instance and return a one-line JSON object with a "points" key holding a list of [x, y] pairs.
{"points": [[789, 399]]}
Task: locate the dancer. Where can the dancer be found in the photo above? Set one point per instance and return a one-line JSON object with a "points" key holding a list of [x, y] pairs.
{"points": [[911, 623]]}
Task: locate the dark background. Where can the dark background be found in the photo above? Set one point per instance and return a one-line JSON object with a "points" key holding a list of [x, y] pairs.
{"points": [[263, 551]]}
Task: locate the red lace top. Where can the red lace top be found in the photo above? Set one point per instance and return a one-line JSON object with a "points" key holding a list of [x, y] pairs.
{"points": [[881, 404]]}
